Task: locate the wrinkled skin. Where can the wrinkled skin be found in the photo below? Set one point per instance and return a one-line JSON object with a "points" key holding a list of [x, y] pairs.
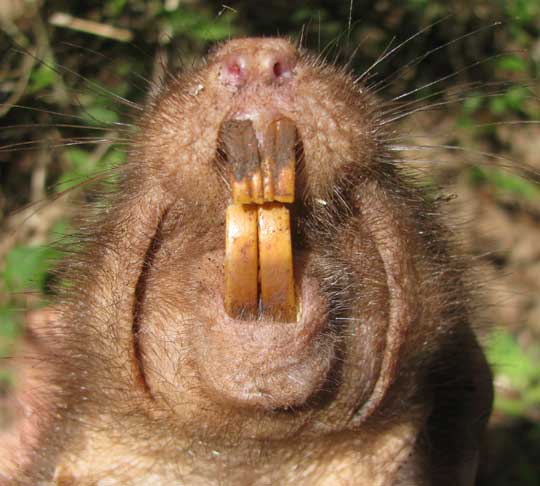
{"points": [[144, 379]]}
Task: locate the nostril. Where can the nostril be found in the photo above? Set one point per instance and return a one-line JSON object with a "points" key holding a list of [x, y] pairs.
{"points": [[234, 70], [276, 66], [278, 69], [266, 65]]}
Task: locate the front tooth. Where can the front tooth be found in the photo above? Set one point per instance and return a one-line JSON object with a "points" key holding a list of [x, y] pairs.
{"points": [[241, 261], [240, 144], [258, 246], [275, 262], [278, 166]]}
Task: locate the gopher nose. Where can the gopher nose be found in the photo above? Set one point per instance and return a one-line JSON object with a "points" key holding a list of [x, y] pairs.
{"points": [[271, 62]]}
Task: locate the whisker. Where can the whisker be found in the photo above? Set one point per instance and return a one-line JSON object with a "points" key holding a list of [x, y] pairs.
{"points": [[509, 163], [447, 77], [96, 88], [149, 84], [472, 126], [388, 54], [384, 83], [433, 106], [63, 125], [31, 145]]}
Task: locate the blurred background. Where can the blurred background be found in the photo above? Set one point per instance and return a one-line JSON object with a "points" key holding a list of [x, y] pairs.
{"points": [[73, 72]]}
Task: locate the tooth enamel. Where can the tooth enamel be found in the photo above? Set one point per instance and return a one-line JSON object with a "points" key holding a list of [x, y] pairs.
{"points": [[275, 262], [268, 180], [240, 144], [241, 192], [279, 161], [258, 247], [241, 261], [257, 187]]}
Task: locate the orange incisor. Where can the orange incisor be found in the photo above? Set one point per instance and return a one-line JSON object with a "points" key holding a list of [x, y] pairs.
{"points": [[258, 246]]}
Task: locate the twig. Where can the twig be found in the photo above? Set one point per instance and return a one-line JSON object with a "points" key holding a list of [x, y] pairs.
{"points": [[20, 86], [61, 19]]}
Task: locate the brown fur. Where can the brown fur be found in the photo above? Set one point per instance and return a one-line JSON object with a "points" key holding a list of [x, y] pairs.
{"points": [[145, 371]]}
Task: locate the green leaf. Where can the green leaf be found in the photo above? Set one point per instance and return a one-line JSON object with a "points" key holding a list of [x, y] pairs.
{"points": [[506, 182], [419, 5], [7, 322], [115, 7], [497, 105], [509, 359], [522, 11], [81, 161], [473, 103], [6, 379], [113, 158], [26, 267], [306, 13], [9, 331], [513, 64], [99, 115], [200, 25], [509, 406], [516, 96], [518, 368], [82, 167], [42, 77]]}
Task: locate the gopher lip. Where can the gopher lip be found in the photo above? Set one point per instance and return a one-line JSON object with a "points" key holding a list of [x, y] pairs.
{"points": [[264, 363]]}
